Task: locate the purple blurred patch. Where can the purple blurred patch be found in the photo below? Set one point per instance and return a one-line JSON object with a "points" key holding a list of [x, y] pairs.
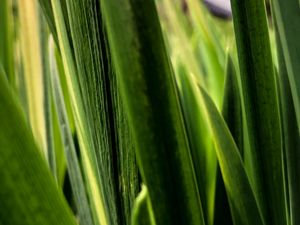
{"points": [[219, 8]]}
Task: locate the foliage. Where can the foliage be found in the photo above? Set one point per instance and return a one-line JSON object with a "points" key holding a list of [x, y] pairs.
{"points": [[149, 112]]}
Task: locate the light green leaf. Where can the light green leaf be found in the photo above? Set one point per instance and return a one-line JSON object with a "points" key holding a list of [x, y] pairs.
{"points": [[74, 171], [239, 190], [28, 193], [47, 92], [202, 152], [7, 39], [232, 114], [33, 70], [142, 212]]}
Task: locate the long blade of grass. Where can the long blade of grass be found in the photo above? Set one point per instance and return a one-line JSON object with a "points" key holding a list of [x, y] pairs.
{"points": [[47, 92], [287, 19], [203, 154], [84, 133], [94, 80], [261, 107], [47, 10], [76, 179], [28, 193], [147, 87], [232, 105], [109, 143], [105, 114], [127, 167], [59, 146], [7, 39], [291, 137], [232, 114], [33, 70], [239, 191]]}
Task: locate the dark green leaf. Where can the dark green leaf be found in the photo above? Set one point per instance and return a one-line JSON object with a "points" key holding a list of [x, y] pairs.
{"points": [[287, 17], [291, 138], [261, 108], [148, 90]]}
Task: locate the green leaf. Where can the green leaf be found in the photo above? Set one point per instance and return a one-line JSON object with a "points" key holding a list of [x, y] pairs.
{"points": [[142, 212], [7, 39], [33, 70], [232, 105], [84, 133], [232, 114], [47, 93], [202, 152], [261, 108], [239, 191], [148, 90], [291, 137], [287, 19], [74, 171], [127, 166], [95, 79], [47, 11], [103, 110], [104, 136], [28, 193]]}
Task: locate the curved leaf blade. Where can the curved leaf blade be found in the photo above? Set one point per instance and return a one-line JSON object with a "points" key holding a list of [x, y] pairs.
{"points": [[28, 193], [236, 181], [142, 212]]}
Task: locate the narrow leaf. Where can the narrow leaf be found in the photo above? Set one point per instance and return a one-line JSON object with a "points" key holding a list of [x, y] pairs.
{"points": [[28, 193], [84, 133], [148, 90], [74, 171], [47, 92], [142, 213], [103, 108], [291, 137], [7, 39], [202, 152], [261, 107], [287, 19], [33, 70], [239, 190], [232, 114]]}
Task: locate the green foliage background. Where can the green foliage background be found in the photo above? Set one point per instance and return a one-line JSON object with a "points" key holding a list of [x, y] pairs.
{"points": [[149, 112]]}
